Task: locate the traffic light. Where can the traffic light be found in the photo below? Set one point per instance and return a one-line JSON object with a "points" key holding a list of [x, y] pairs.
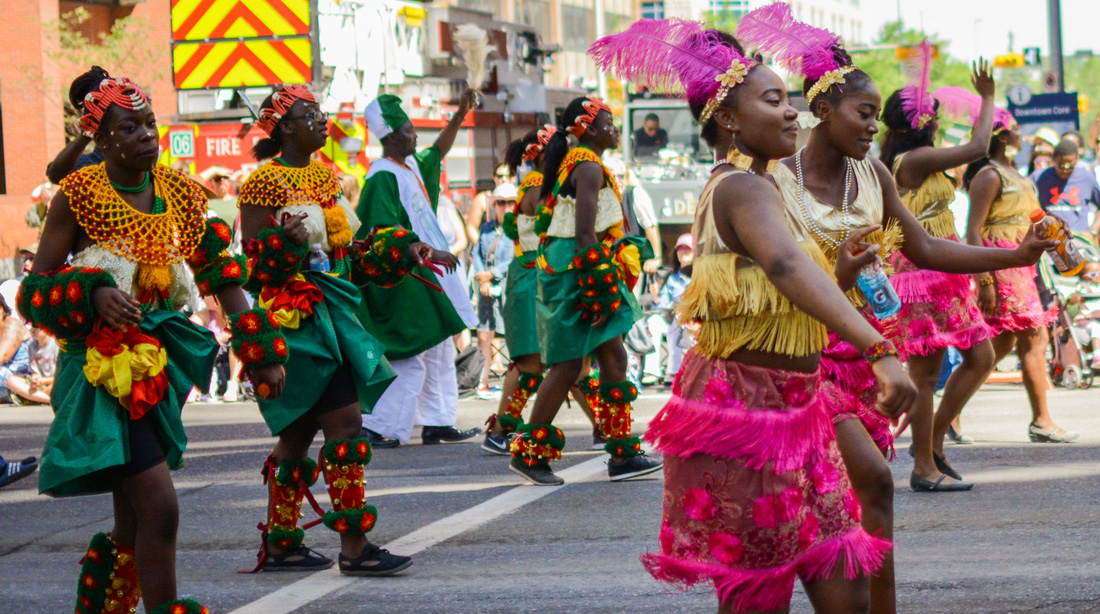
{"points": [[1009, 60]]}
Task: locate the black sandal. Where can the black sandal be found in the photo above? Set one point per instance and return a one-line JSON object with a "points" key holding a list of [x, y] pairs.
{"points": [[297, 559], [374, 561]]}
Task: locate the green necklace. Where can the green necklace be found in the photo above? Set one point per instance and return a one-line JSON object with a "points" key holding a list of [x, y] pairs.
{"points": [[134, 190]]}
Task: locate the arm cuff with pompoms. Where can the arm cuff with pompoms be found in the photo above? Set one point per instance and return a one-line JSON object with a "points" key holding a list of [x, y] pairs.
{"points": [[383, 259], [257, 338], [211, 262], [273, 259], [60, 303], [598, 278]]}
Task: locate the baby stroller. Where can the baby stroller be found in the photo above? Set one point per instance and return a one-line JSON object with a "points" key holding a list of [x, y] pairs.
{"points": [[1071, 348]]}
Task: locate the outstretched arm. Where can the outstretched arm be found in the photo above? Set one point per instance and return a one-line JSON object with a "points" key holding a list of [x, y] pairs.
{"points": [[928, 252], [924, 161], [447, 138], [66, 161]]}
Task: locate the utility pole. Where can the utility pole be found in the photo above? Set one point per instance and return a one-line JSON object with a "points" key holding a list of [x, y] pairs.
{"points": [[601, 30], [1054, 16]]}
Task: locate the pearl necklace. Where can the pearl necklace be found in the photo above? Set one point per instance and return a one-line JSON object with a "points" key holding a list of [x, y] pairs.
{"points": [[843, 205]]}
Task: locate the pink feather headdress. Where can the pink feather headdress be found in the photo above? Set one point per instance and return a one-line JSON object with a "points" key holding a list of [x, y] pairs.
{"points": [[797, 46], [918, 104], [959, 103], [674, 56]]}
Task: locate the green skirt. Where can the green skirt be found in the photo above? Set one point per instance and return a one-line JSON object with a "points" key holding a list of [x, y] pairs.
{"points": [[90, 434], [563, 335], [521, 333], [331, 336]]}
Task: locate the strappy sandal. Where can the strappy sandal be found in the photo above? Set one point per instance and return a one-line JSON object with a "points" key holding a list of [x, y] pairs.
{"points": [[374, 561], [919, 484]]}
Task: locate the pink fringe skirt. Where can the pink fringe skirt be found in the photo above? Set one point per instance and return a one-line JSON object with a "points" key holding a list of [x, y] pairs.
{"points": [[756, 494], [938, 310], [1019, 307], [849, 391]]}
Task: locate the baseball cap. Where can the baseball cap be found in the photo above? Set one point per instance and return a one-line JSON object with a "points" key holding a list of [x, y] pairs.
{"points": [[32, 249], [505, 191], [685, 240]]}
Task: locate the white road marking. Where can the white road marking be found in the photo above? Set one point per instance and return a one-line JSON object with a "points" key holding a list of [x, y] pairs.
{"points": [[317, 585]]}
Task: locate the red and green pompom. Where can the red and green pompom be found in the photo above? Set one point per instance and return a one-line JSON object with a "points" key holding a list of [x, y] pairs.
{"points": [[618, 392], [510, 226], [598, 278], [95, 571], [215, 240], [529, 382], [384, 258], [273, 259], [538, 444], [257, 339], [352, 522], [230, 270], [291, 472], [286, 539], [60, 303], [181, 606], [347, 451], [625, 447]]}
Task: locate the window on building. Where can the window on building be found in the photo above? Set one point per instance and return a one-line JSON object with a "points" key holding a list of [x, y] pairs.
{"points": [[489, 6], [653, 10], [737, 7], [578, 27], [616, 23], [535, 13]]}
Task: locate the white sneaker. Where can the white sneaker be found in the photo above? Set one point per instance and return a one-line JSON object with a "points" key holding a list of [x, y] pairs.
{"points": [[231, 393], [193, 396]]}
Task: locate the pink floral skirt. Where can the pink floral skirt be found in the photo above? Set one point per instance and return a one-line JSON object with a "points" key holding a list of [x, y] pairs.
{"points": [[849, 391], [1019, 307], [756, 494], [938, 310]]}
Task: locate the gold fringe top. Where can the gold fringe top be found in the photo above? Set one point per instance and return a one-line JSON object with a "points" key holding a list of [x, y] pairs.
{"points": [[931, 202], [865, 210], [733, 301], [1008, 218]]}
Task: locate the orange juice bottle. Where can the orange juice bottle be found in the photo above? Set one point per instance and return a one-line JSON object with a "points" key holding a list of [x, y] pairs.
{"points": [[1066, 258]]}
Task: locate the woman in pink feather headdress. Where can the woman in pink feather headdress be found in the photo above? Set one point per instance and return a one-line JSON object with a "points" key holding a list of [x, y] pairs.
{"points": [[756, 495], [835, 189], [938, 309], [1000, 202]]}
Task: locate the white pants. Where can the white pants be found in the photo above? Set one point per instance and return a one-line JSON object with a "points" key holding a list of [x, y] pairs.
{"points": [[425, 392]]}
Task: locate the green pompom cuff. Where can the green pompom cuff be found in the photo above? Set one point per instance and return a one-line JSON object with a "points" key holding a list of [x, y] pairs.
{"points": [[385, 262], [510, 423], [598, 278], [352, 522], [347, 451], [273, 259], [286, 540], [291, 472], [257, 339], [60, 303], [625, 447], [619, 392], [181, 606]]}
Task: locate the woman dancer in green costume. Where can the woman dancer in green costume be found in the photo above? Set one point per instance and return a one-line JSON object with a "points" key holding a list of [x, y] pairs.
{"points": [[129, 356], [335, 369]]}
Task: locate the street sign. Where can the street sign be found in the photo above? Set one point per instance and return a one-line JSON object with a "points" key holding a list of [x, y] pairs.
{"points": [[1019, 94], [1055, 110], [1009, 60], [1031, 56], [181, 144]]}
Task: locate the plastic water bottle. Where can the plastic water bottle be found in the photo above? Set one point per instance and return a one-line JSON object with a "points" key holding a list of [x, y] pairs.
{"points": [[318, 259], [878, 290]]}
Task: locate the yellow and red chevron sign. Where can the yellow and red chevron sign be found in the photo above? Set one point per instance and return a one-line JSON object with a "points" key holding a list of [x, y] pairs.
{"points": [[240, 43], [194, 20]]}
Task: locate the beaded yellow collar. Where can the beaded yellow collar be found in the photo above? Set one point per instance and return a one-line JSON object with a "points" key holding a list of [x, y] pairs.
{"points": [[278, 185], [148, 239]]}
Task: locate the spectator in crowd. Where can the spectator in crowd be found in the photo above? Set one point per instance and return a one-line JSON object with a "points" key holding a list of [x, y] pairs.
{"points": [[349, 185], [650, 138], [216, 180], [1070, 191], [35, 383], [16, 470], [492, 255], [73, 158], [1038, 160], [669, 297], [454, 231], [40, 203], [479, 212], [14, 347], [1082, 317], [1045, 140]]}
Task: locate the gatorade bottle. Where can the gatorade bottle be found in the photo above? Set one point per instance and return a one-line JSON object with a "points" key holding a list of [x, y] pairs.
{"points": [[1065, 256], [878, 290]]}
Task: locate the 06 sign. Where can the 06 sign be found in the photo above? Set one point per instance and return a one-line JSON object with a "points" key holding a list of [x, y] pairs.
{"points": [[181, 144]]}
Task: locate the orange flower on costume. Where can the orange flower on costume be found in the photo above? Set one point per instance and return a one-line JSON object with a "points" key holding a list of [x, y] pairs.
{"points": [[89, 581], [397, 234], [275, 241], [178, 608], [616, 394], [38, 300], [279, 345], [56, 296], [367, 523], [251, 353], [341, 525], [362, 449], [223, 232], [231, 269], [342, 451], [249, 323], [93, 555]]}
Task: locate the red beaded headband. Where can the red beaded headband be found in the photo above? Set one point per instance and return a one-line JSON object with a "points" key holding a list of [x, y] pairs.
{"points": [[592, 108], [281, 101], [535, 149], [121, 91]]}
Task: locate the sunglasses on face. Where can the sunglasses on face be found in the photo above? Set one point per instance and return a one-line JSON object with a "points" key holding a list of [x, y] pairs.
{"points": [[317, 116], [502, 176], [1066, 167]]}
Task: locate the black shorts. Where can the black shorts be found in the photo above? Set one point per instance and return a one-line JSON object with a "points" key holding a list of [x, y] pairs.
{"points": [[145, 449], [340, 392]]}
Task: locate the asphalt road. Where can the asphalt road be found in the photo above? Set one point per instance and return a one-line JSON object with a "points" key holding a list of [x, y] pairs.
{"points": [[1024, 540]]}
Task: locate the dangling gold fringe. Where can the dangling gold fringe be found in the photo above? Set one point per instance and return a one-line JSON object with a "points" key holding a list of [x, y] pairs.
{"points": [[155, 278], [1012, 233], [739, 308], [943, 225]]}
